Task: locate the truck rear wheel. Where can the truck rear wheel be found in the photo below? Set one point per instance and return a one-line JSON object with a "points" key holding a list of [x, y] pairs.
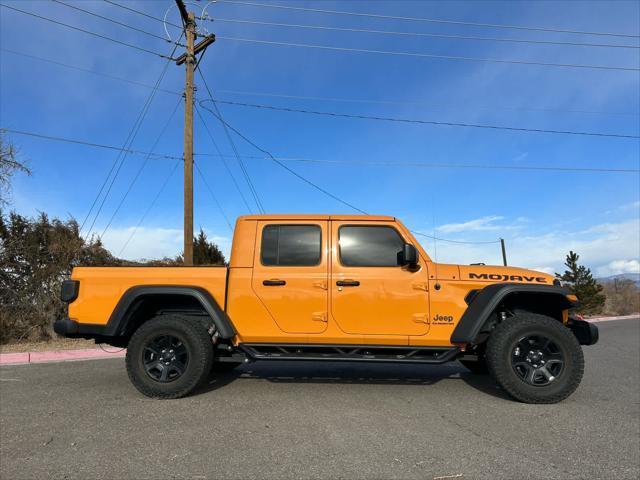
{"points": [[169, 356], [535, 358]]}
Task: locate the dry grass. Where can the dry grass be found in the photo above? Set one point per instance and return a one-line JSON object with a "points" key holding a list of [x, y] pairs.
{"points": [[56, 344]]}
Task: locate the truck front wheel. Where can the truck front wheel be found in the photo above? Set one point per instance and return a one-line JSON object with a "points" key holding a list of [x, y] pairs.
{"points": [[535, 358], [169, 356]]}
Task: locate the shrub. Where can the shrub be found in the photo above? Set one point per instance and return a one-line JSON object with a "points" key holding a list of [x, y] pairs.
{"points": [[36, 255]]}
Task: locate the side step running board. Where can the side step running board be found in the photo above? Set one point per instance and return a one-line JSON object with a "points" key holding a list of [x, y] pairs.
{"points": [[350, 353]]}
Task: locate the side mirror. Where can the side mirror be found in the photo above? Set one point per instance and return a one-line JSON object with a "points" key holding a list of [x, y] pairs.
{"points": [[409, 255]]}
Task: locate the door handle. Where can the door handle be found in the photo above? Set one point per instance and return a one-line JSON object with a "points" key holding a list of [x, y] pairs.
{"points": [[274, 283], [348, 283]]}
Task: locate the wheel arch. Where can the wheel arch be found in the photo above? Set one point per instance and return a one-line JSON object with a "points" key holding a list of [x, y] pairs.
{"points": [[140, 303], [484, 304]]}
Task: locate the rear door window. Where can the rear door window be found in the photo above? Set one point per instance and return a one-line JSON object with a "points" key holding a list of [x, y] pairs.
{"points": [[291, 245]]}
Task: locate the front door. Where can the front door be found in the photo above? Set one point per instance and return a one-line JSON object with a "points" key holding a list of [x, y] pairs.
{"points": [[371, 293], [290, 274]]}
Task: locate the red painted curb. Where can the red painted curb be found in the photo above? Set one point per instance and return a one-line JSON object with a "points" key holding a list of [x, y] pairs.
{"points": [[13, 358], [58, 356], [611, 319]]}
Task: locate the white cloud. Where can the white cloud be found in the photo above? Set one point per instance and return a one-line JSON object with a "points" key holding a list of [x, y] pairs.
{"points": [[479, 224], [482, 224], [146, 243], [631, 206], [152, 243], [549, 270], [606, 248], [623, 266], [522, 156]]}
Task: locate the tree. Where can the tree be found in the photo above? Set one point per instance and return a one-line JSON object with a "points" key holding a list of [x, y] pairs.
{"points": [[583, 285], [206, 252], [623, 296], [9, 164], [36, 255]]}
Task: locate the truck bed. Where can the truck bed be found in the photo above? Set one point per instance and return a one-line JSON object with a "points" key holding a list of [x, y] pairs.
{"points": [[102, 287]]}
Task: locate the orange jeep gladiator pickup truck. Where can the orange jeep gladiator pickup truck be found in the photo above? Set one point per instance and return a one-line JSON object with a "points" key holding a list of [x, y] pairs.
{"points": [[330, 288]]}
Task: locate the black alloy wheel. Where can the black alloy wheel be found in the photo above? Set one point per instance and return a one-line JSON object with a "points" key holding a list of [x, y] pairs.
{"points": [[170, 356], [537, 360], [165, 358]]}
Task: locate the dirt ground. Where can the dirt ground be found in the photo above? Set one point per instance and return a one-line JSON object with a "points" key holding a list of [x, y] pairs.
{"points": [[56, 344]]}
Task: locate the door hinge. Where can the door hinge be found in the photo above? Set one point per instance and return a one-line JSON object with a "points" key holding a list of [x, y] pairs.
{"points": [[421, 318], [321, 284], [319, 317], [420, 286]]}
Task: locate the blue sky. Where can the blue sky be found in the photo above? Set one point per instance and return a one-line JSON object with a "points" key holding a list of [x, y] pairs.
{"points": [[541, 214]]}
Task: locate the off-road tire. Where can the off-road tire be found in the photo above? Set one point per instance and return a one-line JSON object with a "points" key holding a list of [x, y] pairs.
{"points": [[500, 349], [477, 367], [197, 342]]}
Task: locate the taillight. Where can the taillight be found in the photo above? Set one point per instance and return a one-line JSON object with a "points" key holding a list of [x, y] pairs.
{"points": [[69, 291]]}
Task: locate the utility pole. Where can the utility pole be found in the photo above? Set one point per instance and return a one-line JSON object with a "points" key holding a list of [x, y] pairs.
{"points": [[189, 59], [504, 252], [188, 142]]}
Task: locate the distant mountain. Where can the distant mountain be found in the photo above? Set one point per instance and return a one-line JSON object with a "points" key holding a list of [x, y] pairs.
{"points": [[623, 276]]}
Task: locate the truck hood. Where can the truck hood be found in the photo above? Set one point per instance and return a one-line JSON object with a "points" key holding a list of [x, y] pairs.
{"points": [[498, 274]]}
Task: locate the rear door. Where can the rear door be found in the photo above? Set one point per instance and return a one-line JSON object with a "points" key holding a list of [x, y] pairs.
{"points": [[370, 293], [290, 274]]}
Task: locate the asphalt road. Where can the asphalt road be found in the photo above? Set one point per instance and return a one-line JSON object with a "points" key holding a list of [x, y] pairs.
{"points": [[301, 420]]}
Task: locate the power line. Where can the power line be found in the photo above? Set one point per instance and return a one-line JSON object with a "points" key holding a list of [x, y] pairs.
{"points": [[417, 34], [364, 163], [462, 242], [394, 164], [314, 98], [430, 20], [150, 207], [104, 37], [226, 165], [424, 122], [144, 14], [317, 187], [293, 172], [130, 138], [336, 162], [425, 55], [213, 195], [87, 70], [416, 102], [122, 24], [89, 144], [142, 167], [122, 157], [245, 172]]}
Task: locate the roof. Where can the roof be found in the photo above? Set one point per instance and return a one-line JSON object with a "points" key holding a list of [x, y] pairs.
{"points": [[316, 217]]}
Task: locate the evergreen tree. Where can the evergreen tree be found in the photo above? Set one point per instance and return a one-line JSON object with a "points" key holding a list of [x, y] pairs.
{"points": [[583, 285], [206, 252]]}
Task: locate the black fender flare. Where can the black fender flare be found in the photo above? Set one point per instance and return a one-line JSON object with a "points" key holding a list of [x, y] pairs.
{"points": [[122, 313], [484, 303]]}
